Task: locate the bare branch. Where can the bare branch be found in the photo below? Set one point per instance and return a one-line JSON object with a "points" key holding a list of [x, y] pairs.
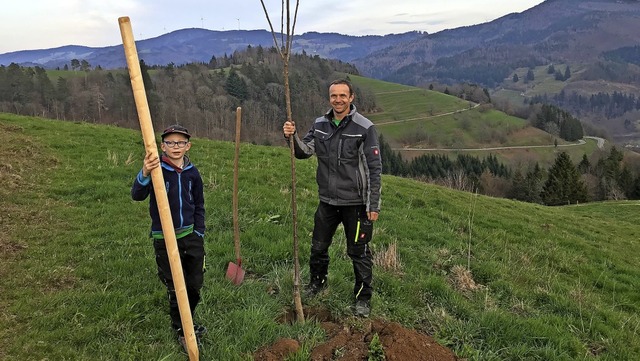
{"points": [[273, 33], [295, 19], [282, 22]]}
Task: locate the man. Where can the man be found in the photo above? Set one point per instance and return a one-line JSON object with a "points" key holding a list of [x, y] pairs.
{"points": [[348, 177]]}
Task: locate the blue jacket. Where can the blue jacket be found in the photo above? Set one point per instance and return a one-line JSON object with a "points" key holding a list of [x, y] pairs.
{"points": [[349, 163], [186, 198]]}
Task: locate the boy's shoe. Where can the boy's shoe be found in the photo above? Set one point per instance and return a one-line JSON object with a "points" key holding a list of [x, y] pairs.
{"points": [[183, 342], [199, 330], [362, 308], [314, 287]]}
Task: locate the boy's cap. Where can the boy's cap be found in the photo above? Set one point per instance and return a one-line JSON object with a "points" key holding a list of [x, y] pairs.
{"points": [[175, 129]]}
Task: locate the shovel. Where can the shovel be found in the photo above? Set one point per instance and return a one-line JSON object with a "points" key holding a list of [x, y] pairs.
{"points": [[235, 273]]}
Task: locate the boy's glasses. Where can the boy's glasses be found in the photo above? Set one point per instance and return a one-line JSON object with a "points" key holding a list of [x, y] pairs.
{"points": [[179, 144]]}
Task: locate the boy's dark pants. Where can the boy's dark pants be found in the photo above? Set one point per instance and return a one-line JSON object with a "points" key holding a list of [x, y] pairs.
{"points": [[358, 230], [192, 255]]}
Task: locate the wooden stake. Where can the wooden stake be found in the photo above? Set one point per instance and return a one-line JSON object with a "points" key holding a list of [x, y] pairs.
{"points": [[148, 136]]}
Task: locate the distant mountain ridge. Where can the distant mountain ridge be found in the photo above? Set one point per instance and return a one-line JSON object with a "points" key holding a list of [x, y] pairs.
{"points": [[199, 45], [555, 31]]}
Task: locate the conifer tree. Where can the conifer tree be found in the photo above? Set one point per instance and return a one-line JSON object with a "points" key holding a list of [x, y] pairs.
{"points": [[393, 163], [530, 75], [533, 183], [518, 189], [584, 165], [563, 185], [626, 182], [567, 73], [235, 86]]}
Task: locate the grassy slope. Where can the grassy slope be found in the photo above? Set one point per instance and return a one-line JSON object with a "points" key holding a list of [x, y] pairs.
{"points": [[78, 277], [413, 117], [545, 83]]}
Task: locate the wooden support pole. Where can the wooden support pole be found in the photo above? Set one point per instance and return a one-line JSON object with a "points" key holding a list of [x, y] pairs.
{"points": [[148, 136]]}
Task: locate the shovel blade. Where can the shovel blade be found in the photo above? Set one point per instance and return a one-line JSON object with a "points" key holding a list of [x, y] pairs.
{"points": [[235, 273]]}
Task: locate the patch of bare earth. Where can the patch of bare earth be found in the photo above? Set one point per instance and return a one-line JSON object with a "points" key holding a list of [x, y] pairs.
{"points": [[350, 340]]}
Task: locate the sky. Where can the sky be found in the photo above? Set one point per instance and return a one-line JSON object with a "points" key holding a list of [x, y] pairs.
{"points": [[44, 24]]}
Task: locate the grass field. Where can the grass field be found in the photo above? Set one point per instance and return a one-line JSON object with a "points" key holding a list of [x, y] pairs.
{"points": [[415, 118], [543, 82], [78, 277]]}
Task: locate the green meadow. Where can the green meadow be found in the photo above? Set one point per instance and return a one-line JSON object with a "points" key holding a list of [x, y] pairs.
{"points": [[492, 279], [413, 118]]}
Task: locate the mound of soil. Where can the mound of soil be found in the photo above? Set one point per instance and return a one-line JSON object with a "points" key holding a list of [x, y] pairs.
{"points": [[350, 342]]}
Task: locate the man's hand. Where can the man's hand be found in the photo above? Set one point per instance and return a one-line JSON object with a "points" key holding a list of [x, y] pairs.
{"points": [[288, 128], [373, 216], [150, 162]]}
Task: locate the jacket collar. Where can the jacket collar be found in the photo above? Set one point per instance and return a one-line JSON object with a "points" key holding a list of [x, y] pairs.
{"points": [[329, 113], [171, 166]]}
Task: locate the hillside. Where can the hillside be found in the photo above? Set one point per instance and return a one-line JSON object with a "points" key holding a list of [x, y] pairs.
{"points": [[553, 31], [418, 121], [604, 95], [203, 97], [597, 39], [78, 276]]}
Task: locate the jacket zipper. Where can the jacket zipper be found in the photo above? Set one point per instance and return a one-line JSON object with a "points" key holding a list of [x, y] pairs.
{"points": [[180, 198]]}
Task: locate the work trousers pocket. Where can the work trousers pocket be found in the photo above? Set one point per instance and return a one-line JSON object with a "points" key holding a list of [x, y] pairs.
{"points": [[364, 231]]}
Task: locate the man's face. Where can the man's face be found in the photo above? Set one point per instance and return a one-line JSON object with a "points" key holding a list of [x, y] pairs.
{"points": [[340, 99]]}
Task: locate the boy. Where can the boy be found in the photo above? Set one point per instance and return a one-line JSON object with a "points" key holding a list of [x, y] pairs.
{"points": [[186, 202]]}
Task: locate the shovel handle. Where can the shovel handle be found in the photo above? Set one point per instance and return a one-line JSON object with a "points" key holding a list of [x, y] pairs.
{"points": [[236, 225]]}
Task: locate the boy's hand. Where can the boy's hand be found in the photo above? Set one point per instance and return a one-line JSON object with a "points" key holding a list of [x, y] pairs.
{"points": [[288, 128], [150, 162]]}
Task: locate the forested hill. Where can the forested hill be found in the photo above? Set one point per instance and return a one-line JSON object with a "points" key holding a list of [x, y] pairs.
{"points": [[593, 46], [202, 97], [556, 31], [200, 45]]}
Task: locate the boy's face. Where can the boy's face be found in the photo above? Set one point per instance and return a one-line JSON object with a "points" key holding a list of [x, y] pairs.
{"points": [[175, 152]]}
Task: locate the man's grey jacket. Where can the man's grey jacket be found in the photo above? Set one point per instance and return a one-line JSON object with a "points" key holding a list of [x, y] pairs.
{"points": [[349, 162]]}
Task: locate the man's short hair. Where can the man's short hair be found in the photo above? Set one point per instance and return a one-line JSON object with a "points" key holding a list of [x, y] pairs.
{"points": [[345, 82]]}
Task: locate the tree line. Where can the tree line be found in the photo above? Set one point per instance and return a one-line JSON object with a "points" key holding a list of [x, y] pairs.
{"points": [[201, 96], [606, 105], [604, 177]]}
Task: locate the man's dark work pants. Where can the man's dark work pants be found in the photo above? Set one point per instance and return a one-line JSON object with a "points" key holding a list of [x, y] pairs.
{"points": [[358, 230]]}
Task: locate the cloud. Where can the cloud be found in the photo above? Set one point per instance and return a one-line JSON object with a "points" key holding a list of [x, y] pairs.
{"points": [[47, 24]]}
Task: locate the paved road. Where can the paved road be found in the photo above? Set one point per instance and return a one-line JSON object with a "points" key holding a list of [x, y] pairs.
{"points": [[579, 142]]}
